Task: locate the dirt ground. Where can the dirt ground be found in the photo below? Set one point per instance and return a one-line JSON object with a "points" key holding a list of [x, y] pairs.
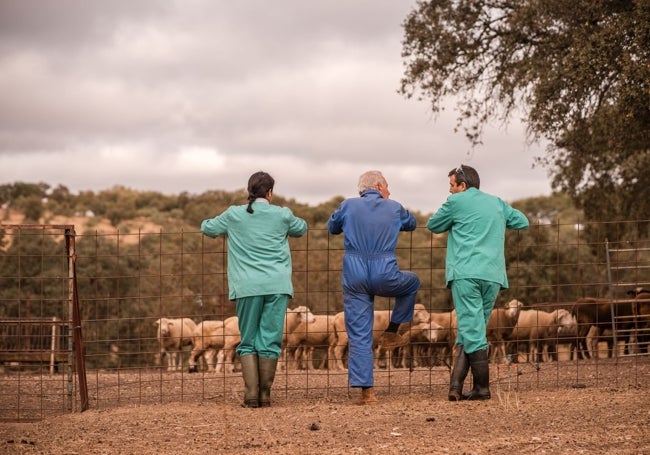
{"points": [[605, 413]]}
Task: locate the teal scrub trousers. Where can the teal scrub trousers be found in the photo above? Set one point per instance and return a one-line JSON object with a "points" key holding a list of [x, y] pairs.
{"points": [[473, 300], [261, 324]]}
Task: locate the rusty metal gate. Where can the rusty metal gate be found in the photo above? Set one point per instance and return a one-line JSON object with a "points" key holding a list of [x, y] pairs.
{"points": [[41, 344]]}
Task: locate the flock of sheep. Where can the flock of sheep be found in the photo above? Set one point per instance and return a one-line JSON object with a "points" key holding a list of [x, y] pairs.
{"points": [[514, 334]]}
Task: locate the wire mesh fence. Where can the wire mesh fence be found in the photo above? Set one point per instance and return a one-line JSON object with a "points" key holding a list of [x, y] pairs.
{"points": [[130, 284]]}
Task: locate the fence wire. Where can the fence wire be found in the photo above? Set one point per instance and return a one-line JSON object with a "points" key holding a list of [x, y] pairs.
{"points": [[131, 283]]}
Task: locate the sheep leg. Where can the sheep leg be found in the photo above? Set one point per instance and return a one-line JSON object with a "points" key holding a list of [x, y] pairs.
{"points": [[339, 352], [171, 360], [194, 354]]}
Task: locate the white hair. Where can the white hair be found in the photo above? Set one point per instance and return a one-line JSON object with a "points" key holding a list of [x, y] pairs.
{"points": [[369, 180]]}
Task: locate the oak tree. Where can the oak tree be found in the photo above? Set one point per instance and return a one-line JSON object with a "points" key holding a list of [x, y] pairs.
{"points": [[578, 70]]}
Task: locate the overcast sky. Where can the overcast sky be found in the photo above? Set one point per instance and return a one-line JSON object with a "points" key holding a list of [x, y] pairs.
{"points": [[194, 95]]}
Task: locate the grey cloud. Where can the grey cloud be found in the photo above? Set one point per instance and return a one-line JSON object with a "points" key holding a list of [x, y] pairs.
{"points": [[307, 82]]}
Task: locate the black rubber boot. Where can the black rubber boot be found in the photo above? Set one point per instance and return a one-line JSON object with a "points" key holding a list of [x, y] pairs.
{"points": [[267, 369], [249, 368], [458, 375], [478, 361]]}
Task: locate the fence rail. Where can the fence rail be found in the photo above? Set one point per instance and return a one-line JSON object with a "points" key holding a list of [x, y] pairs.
{"points": [[41, 340]]}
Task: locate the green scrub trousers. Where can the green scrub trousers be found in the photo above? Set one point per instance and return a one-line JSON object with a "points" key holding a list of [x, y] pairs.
{"points": [[261, 324], [473, 300]]}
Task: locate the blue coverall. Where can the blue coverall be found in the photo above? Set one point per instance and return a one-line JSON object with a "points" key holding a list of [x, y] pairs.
{"points": [[371, 225]]}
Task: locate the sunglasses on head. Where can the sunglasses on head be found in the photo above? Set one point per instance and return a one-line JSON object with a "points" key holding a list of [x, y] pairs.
{"points": [[461, 173]]}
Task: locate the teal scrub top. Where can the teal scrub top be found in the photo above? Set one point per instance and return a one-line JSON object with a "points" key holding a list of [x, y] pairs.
{"points": [[259, 259], [476, 222]]}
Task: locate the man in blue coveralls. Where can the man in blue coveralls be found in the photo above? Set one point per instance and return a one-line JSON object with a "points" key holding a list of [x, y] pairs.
{"points": [[475, 271], [371, 224]]}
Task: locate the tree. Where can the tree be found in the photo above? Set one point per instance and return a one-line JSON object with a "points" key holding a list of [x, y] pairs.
{"points": [[31, 275], [32, 207], [60, 201], [578, 70], [11, 192]]}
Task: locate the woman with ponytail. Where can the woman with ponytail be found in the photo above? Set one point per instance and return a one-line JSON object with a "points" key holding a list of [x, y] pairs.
{"points": [[259, 280]]}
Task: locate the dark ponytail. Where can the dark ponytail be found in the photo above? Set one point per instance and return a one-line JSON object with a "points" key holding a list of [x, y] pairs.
{"points": [[259, 185]]}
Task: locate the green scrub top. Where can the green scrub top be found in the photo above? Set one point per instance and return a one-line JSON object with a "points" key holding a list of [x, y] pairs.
{"points": [[259, 259], [476, 222]]}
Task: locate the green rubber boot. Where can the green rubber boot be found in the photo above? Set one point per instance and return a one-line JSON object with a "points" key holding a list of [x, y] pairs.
{"points": [[249, 368], [458, 375], [267, 369], [478, 361]]}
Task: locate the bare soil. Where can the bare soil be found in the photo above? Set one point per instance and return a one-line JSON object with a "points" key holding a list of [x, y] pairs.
{"points": [[596, 409]]}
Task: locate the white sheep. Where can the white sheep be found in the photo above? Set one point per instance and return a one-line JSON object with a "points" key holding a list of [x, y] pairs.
{"points": [[293, 317], [440, 331], [208, 337], [539, 329], [501, 324], [224, 337], [221, 336], [308, 335], [231, 339], [173, 335], [339, 342], [419, 346], [380, 324]]}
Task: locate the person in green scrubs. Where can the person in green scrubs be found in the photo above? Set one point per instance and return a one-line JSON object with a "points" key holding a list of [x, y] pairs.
{"points": [[259, 280], [475, 270]]}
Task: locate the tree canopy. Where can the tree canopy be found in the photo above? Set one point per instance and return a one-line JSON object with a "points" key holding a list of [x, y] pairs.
{"points": [[579, 71]]}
